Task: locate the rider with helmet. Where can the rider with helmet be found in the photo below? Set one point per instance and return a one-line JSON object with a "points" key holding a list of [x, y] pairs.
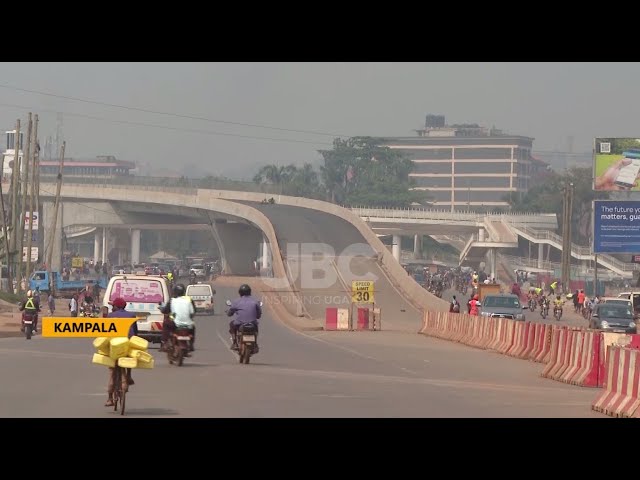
{"points": [[179, 312], [248, 310], [558, 303], [30, 306]]}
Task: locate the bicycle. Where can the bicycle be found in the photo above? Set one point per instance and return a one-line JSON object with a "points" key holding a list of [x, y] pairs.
{"points": [[120, 387]]}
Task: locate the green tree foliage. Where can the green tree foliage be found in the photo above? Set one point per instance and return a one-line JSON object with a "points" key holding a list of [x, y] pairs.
{"points": [[291, 180], [356, 172]]}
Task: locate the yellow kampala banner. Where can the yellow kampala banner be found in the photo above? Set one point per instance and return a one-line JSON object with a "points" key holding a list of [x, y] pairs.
{"points": [[82, 327]]}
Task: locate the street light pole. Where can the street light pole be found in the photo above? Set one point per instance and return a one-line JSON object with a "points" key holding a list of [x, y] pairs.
{"points": [[566, 235]]}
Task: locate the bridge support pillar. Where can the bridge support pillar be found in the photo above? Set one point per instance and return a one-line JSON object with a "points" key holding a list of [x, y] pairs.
{"points": [[481, 235], [135, 246], [395, 247], [493, 259], [104, 244], [96, 246], [417, 247], [540, 255], [265, 254]]}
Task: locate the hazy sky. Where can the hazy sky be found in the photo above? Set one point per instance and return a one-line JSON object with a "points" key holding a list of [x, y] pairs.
{"points": [[547, 101]]}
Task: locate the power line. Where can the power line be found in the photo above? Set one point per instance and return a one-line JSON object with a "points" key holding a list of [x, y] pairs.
{"points": [[177, 115], [151, 125]]}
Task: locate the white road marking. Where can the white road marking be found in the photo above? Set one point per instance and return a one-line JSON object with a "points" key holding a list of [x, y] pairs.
{"points": [[227, 345]]}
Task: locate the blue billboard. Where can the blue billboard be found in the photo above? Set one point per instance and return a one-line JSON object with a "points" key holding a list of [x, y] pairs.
{"points": [[616, 226]]}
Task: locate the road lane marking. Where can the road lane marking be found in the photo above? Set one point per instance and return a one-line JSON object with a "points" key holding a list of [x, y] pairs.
{"points": [[376, 378], [227, 345]]}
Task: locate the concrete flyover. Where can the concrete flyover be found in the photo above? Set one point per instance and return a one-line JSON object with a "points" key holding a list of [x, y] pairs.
{"points": [[299, 220]]}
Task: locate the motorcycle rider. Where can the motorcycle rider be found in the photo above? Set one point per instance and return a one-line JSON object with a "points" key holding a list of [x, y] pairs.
{"points": [[454, 306], [248, 310], [180, 311], [557, 305], [30, 306], [88, 306]]}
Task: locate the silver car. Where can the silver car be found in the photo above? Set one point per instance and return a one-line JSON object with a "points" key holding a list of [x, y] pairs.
{"points": [[502, 305]]}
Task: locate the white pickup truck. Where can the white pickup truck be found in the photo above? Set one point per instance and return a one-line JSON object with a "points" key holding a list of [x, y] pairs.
{"points": [[202, 295]]}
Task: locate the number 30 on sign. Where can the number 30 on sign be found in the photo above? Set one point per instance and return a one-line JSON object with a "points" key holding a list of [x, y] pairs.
{"points": [[362, 292]]}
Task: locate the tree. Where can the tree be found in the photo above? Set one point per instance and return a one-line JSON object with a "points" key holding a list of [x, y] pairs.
{"points": [[359, 171], [273, 175]]}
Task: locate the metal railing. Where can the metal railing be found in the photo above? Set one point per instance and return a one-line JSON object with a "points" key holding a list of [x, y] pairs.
{"points": [[578, 250], [411, 214], [170, 182]]}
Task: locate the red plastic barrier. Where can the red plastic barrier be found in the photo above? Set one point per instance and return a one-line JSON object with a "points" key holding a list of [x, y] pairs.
{"points": [[331, 319], [363, 318]]}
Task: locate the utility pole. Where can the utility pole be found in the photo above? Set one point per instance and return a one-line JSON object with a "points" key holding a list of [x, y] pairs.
{"points": [[36, 172], [566, 236], [6, 235], [23, 203], [32, 192], [52, 284], [15, 180]]}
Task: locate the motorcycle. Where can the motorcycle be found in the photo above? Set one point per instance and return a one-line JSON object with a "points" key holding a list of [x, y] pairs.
{"points": [[532, 304], [557, 313], [28, 320], [89, 311], [179, 346], [544, 310], [246, 339]]}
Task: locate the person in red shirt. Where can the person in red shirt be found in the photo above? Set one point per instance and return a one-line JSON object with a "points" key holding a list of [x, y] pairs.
{"points": [[473, 304], [580, 301]]}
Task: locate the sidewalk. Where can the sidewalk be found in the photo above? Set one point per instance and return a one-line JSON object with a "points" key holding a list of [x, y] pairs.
{"points": [[10, 317]]}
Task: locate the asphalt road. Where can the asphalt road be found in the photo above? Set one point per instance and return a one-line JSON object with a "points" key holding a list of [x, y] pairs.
{"points": [[569, 316], [311, 374], [305, 227]]}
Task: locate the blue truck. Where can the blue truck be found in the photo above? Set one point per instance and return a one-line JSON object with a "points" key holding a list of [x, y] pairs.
{"points": [[63, 288]]}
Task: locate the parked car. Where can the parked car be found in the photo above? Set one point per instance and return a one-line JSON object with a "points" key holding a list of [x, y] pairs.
{"points": [[611, 317], [502, 305]]}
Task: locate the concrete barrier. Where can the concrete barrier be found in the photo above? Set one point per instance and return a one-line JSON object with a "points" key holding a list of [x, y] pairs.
{"points": [[543, 351], [575, 356], [535, 331], [558, 340], [520, 339], [589, 372], [620, 395]]}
